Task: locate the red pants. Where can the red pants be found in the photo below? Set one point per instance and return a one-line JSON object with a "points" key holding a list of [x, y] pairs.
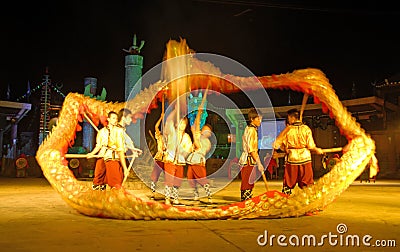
{"points": [[248, 174], [173, 174], [114, 173], [300, 174], [271, 166], [197, 174], [157, 169], [100, 172]]}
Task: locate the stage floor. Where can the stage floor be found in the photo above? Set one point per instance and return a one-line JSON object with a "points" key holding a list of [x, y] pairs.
{"points": [[33, 217]]}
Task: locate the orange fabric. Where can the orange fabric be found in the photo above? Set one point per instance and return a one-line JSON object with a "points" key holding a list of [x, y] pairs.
{"points": [[173, 174], [300, 174], [157, 169], [100, 172], [248, 174], [114, 173], [271, 164], [197, 174]]}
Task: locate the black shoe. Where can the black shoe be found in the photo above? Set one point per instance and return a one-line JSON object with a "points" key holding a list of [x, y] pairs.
{"points": [[153, 187], [103, 187], [246, 194], [95, 187], [286, 190]]}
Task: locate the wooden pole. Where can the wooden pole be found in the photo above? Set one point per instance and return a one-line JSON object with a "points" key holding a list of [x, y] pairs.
{"points": [[95, 156], [162, 112], [330, 150], [338, 149], [162, 103], [80, 156], [178, 118], [303, 106], [91, 122], [127, 172], [265, 181]]}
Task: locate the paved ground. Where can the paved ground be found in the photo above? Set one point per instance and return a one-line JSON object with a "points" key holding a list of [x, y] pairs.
{"points": [[33, 217]]}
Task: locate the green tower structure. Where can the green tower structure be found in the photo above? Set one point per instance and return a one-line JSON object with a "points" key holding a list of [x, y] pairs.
{"points": [[237, 118], [133, 84], [88, 132]]}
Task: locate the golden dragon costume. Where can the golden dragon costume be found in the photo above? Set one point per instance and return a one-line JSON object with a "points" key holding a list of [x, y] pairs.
{"points": [[121, 204]]}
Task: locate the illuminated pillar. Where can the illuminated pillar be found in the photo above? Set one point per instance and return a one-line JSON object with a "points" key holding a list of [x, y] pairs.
{"points": [[88, 132], [2, 127], [237, 119], [14, 137], [45, 108], [133, 84], [1, 144], [133, 75]]}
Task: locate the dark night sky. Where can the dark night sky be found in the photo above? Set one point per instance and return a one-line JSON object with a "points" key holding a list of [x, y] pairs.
{"points": [[349, 42]]}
